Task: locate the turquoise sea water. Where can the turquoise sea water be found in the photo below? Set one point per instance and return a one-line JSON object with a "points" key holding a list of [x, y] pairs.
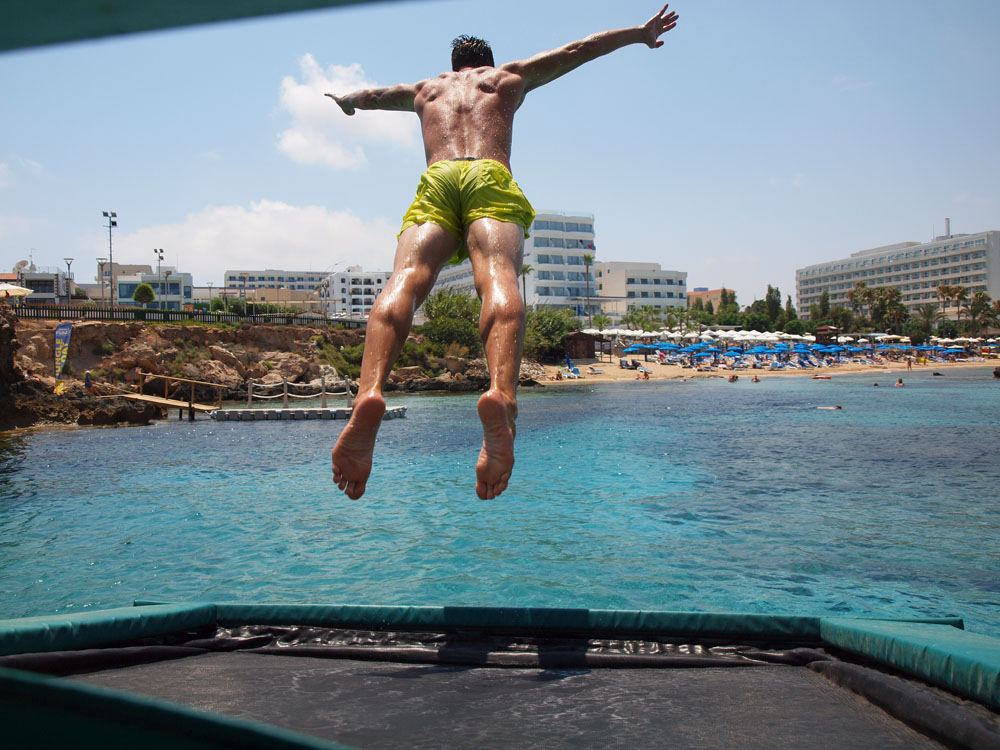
{"points": [[698, 495]]}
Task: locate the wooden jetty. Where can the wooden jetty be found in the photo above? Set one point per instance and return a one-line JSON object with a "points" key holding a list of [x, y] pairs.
{"points": [[170, 403]]}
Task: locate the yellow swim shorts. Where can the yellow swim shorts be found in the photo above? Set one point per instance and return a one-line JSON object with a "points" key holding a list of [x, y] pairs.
{"points": [[453, 194]]}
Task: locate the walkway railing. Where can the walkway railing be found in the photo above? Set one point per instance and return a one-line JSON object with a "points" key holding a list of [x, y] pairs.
{"points": [[285, 394], [143, 315]]}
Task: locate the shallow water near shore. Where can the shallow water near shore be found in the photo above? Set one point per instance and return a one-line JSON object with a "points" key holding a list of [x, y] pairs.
{"points": [[670, 495]]}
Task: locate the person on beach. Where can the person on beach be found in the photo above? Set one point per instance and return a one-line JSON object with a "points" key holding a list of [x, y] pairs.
{"points": [[467, 201]]}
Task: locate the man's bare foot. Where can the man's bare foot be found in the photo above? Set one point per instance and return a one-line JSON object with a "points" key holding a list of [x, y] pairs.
{"points": [[496, 459], [352, 455]]}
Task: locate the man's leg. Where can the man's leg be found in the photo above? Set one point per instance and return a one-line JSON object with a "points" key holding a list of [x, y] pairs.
{"points": [[420, 254], [495, 249]]}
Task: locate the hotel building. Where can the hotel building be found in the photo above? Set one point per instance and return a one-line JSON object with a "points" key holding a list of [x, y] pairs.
{"points": [[625, 286], [353, 291], [916, 269]]}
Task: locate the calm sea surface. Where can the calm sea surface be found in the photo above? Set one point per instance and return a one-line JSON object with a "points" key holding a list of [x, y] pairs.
{"points": [[699, 495]]}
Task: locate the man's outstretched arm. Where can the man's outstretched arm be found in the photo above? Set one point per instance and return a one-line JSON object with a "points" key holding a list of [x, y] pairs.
{"points": [[547, 66], [389, 97]]}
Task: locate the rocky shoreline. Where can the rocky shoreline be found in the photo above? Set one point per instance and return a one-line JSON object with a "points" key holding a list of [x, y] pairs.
{"points": [[119, 354]]}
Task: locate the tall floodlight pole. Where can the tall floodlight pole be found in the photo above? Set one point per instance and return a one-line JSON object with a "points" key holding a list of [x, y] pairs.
{"points": [[69, 284], [159, 277], [111, 216], [100, 269]]}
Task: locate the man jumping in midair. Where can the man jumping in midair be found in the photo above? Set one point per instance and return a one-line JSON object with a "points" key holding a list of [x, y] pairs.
{"points": [[467, 202]]}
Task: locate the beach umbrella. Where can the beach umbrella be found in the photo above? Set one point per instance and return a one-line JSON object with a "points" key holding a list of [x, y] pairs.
{"points": [[635, 348], [712, 350], [13, 290]]}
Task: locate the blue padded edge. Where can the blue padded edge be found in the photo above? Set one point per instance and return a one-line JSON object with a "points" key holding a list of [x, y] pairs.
{"points": [[966, 663], [85, 629]]}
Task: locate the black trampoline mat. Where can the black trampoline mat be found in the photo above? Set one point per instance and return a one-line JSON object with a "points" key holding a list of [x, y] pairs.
{"points": [[376, 704]]}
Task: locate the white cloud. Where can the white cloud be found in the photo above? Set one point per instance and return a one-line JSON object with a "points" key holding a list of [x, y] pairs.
{"points": [[321, 133], [267, 234]]}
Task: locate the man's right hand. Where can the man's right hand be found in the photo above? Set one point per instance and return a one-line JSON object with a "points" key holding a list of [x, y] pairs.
{"points": [[343, 103], [658, 25]]}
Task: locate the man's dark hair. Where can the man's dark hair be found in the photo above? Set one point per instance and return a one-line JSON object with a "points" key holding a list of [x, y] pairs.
{"points": [[470, 52]]}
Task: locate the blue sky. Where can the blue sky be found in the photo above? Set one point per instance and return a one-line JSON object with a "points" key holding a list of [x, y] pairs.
{"points": [[761, 138]]}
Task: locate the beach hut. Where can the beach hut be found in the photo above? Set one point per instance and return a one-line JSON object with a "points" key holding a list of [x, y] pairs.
{"points": [[580, 345]]}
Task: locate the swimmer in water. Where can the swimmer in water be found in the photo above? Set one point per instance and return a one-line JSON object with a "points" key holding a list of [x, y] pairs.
{"points": [[467, 205]]}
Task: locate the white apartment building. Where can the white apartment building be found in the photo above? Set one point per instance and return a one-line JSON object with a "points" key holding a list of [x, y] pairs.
{"points": [[300, 281], [353, 290], [624, 286], [916, 269]]}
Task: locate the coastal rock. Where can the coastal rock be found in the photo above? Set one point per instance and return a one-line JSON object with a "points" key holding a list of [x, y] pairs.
{"points": [[228, 359], [405, 374], [279, 365]]}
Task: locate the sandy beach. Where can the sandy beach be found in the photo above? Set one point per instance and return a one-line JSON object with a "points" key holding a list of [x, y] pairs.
{"points": [[614, 374]]}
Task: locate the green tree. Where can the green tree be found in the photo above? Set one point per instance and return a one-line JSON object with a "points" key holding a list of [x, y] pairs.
{"points": [[795, 327], [772, 303], [143, 294], [602, 321], [588, 259], [860, 295], [546, 331], [790, 313], [642, 318], [824, 304], [926, 316], [452, 318], [977, 312]]}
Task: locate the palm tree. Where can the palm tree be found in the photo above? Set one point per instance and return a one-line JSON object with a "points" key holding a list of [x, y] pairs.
{"points": [[944, 291], [960, 294], [977, 312], [602, 321], [927, 315], [525, 270], [858, 296], [588, 258]]}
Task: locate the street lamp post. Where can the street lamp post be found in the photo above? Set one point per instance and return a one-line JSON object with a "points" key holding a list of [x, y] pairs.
{"points": [[100, 268], [159, 277], [69, 284], [209, 285], [111, 216]]}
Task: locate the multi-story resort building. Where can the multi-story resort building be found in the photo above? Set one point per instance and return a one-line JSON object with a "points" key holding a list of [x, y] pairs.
{"points": [[353, 291], [625, 286], [916, 269], [271, 278]]}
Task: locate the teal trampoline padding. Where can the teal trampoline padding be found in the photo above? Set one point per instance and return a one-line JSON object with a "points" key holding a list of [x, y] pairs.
{"points": [[967, 663], [27, 24], [41, 712], [84, 629], [535, 619]]}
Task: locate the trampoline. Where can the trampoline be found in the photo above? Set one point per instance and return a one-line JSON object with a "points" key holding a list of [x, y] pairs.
{"points": [[309, 676]]}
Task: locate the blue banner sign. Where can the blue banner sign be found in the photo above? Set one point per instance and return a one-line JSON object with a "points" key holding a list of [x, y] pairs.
{"points": [[63, 331]]}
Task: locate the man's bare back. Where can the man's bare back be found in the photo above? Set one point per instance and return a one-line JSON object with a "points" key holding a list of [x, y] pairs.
{"points": [[469, 113]]}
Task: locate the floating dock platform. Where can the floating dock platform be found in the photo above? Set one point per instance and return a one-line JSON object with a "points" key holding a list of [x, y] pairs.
{"points": [[253, 415]]}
